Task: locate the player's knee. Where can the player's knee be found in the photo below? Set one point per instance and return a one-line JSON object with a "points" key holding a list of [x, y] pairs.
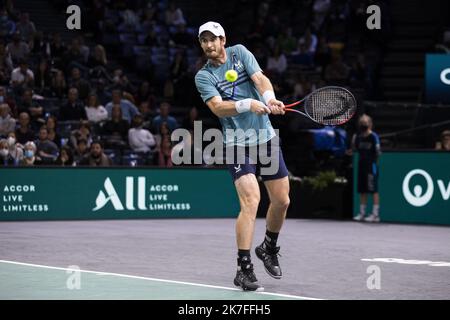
{"points": [[251, 203], [282, 203]]}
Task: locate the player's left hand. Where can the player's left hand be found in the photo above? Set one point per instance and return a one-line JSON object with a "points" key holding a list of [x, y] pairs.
{"points": [[276, 106]]}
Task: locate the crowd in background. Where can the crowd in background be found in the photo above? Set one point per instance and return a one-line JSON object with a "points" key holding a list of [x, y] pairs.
{"points": [[114, 93]]}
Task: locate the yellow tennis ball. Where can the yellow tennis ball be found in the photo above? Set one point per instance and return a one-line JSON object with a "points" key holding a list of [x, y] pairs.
{"points": [[231, 75]]}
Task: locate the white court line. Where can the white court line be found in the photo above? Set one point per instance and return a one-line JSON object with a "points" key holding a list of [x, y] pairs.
{"points": [[410, 262], [153, 279]]}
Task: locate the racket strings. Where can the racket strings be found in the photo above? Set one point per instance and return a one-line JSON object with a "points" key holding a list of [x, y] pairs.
{"points": [[330, 106]]}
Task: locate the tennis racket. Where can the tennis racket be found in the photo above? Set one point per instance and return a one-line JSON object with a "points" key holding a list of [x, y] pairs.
{"points": [[331, 106]]}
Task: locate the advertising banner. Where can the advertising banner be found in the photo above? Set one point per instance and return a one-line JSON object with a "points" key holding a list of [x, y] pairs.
{"points": [[102, 193], [414, 187]]}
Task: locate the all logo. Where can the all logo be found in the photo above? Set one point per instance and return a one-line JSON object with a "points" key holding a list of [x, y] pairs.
{"points": [[418, 197], [110, 195]]}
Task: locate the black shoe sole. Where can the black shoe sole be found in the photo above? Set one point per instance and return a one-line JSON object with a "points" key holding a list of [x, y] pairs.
{"points": [[275, 277], [237, 284], [267, 270]]}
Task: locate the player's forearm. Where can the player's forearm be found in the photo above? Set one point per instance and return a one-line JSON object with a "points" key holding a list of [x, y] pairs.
{"points": [[263, 84], [225, 109]]}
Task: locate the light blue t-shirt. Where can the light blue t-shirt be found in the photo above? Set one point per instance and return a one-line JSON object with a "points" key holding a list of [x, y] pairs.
{"points": [[210, 82]]}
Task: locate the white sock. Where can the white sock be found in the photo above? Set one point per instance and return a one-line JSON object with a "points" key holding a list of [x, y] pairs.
{"points": [[362, 209], [375, 209]]}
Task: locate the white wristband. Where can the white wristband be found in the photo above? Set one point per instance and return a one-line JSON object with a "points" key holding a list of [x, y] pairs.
{"points": [[243, 105], [268, 95]]}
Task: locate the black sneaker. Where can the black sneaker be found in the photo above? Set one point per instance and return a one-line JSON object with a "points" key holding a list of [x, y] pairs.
{"points": [[269, 257], [246, 279]]}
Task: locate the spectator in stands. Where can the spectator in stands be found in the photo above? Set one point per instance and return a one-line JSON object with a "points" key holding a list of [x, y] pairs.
{"points": [[96, 157], [103, 95], [129, 110], [97, 63], [24, 132], [7, 123], [76, 81], [178, 77], [53, 134], [4, 98], [65, 157], [146, 113], [367, 144], [96, 16], [73, 56], [310, 41], [84, 49], [323, 54], [256, 31], [43, 78], [181, 38], [148, 19], [29, 155], [98, 58], [263, 9], [302, 57], [40, 46], [302, 87], [188, 122], [73, 109], [272, 28], [82, 133], [6, 65], [174, 15], [165, 153], [144, 93], [130, 21], [46, 150], [286, 41], [5, 158], [58, 86], [81, 150], [337, 72], [444, 144], [120, 81], [26, 27], [140, 139], [179, 66], [168, 90], [320, 9], [163, 131], [22, 77], [33, 108], [94, 110], [277, 62], [116, 128], [7, 26], [15, 148], [361, 75], [164, 117], [18, 49], [152, 38], [57, 50]]}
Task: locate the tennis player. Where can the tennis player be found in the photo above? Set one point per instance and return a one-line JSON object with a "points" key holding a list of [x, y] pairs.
{"points": [[245, 105]]}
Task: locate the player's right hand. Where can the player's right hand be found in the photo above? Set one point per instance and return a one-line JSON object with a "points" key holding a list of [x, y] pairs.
{"points": [[259, 108]]}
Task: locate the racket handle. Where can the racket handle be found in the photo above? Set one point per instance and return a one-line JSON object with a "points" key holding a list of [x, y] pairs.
{"points": [[292, 104]]}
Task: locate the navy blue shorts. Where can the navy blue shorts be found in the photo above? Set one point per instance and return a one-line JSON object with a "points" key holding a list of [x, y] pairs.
{"points": [[367, 177], [265, 160]]}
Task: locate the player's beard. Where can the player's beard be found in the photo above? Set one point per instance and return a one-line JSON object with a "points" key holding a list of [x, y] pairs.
{"points": [[216, 54]]}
